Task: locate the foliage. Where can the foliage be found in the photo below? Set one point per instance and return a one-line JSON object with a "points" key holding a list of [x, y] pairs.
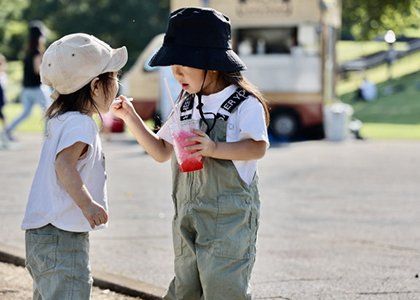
{"points": [[364, 20], [133, 23], [126, 22], [12, 27]]}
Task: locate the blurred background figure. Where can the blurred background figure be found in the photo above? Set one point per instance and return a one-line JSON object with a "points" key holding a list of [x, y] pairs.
{"points": [[390, 59], [391, 55], [3, 85], [33, 91], [368, 90]]}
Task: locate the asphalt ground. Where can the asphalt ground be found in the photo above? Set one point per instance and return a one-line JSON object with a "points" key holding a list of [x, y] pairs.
{"points": [[339, 220]]}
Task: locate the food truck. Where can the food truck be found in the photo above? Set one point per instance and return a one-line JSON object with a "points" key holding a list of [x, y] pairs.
{"points": [[289, 48]]}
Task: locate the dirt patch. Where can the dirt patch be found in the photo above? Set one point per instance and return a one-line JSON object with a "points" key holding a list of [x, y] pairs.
{"points": [[16, 284]]}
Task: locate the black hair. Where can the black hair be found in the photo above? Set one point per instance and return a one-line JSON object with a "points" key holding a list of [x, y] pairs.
{"points": [[81, 100], [239, 80], [34, 43]]}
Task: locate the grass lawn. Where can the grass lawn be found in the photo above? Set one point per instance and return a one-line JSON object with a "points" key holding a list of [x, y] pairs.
{"points": [[395, 115], [348, 50], [34, 123], [400, 107], [403, 66], [392, 116], [390, 131]]}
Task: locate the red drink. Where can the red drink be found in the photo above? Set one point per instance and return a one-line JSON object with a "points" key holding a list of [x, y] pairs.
{"points": [[185, 162]]}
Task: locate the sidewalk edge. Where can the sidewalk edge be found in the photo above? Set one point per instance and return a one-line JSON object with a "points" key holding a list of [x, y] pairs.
{"points": [[103, 280]]}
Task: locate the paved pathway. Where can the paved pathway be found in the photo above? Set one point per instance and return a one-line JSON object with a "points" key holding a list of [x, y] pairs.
{"points": [[338, 220]]}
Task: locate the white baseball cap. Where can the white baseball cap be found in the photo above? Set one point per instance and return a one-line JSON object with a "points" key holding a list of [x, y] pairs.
{"points": [[74, 60]]}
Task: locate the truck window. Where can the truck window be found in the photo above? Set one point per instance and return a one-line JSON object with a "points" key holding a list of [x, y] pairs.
{"points": [[266, 40], [301, 39]]}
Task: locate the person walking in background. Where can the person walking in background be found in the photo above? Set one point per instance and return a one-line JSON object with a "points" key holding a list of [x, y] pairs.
{"points": [[3, 85], [391, 56], [68, 197], [217, 207], [34, 92]]}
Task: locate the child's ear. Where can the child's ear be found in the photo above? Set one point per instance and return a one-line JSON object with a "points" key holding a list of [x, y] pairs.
{"points": [[94, 86]]}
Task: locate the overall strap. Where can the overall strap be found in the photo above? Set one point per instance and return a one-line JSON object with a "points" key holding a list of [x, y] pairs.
{"points": [[227, 107], [232, 103], [187, 108]]}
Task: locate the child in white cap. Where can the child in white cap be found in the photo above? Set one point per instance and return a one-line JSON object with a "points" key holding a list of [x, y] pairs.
{"points": [[217, 207], [68, 196]]}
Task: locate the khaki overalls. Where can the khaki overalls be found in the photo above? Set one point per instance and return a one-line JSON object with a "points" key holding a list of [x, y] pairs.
{"points": [[214, 229]]}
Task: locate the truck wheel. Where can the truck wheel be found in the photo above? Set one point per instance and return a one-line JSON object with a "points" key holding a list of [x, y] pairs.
{"points": [[284, 124]]}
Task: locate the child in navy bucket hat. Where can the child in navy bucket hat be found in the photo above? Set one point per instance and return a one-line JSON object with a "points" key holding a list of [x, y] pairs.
{"points": [[217, 207]]}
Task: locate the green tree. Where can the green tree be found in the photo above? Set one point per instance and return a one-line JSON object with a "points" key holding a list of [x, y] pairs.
{"points": [[366, 19], [12, 27], [131, 23], [126, 22]]}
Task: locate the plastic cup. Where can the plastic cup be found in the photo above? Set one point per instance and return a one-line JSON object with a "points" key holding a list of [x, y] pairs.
{"points": [[179, 132]]}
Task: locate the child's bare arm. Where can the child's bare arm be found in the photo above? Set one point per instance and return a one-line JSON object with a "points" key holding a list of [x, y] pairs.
{"points": [[158, 148], [65, 167], [243, 150]]}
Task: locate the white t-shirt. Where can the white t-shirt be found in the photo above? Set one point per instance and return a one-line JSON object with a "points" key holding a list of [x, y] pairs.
{"points": [[48, 201], [246, 122]]}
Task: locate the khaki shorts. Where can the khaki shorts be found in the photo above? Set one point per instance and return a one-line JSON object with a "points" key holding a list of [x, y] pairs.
{"points": [[58, 262]]}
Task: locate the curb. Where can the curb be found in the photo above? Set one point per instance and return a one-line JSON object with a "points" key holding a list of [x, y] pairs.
{"points": [[104, 280]]}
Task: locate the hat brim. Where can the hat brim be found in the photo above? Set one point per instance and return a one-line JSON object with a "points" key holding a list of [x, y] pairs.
{"points": [[200, 58], [118, 60]]}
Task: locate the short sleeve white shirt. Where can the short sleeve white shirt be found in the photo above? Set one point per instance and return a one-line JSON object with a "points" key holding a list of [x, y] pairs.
{"points": [[48, 201], [246, 122]]}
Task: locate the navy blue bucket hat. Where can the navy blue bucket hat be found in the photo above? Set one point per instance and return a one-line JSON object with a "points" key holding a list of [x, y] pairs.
{"points": [[198, 38]]}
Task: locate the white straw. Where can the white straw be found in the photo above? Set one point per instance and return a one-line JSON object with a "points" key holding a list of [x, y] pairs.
{"points": [[173, 103], [119, 101]]}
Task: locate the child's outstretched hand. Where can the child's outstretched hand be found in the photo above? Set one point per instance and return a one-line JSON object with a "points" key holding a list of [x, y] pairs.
{"points": [[95, 214], [122, 107]]}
